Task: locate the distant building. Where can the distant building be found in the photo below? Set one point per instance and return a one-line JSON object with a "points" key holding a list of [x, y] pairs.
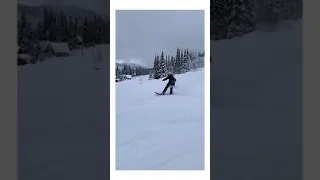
{"points": [[60, 49], [24, 57], [54, 48], [125, 77], [128, 76]]}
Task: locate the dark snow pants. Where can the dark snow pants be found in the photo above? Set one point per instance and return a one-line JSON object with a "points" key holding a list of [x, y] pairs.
{"points": [[169, 84]]}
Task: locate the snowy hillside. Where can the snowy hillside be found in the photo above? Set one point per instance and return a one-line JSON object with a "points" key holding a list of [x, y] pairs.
{"points": [[160, 132], [256, 106], [63, 119], [132, 65]]}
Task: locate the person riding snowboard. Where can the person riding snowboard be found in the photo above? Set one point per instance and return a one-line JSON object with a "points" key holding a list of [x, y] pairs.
{"points": [[171, 83]]}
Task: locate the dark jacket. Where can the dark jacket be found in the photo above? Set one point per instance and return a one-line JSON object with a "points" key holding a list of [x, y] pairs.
{"points": [[171, 79]]}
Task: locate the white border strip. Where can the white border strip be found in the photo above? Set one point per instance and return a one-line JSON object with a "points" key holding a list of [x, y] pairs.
{"points": [[158, 5]]}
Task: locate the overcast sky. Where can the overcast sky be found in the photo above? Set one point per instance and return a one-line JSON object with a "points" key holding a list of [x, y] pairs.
{"points": [[140, 34]]}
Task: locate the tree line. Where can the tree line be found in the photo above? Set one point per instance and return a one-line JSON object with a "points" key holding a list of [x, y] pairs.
{"points": [[184, 61], [231, 18], [129, 70], [58, 27]]}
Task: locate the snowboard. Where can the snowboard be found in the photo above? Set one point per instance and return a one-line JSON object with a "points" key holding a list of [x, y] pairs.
{"points": [[160, 94]]}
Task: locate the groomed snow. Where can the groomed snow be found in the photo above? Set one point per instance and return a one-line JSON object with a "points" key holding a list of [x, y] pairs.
{"points": [[160, 132], [256, 116], [63, 119], [256, 106]]}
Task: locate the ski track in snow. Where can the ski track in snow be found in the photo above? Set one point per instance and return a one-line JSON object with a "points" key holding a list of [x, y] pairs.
{"points": [[160, 132]]}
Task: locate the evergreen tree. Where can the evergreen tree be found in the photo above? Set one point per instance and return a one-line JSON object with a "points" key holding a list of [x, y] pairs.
{"points": [[276, 11], [156, 68], [51, 27], [124, 69], [46, 24], [162, 66], [86, 32], [242, 18], [188, 60], [52, 31], [25, 33], [70, 30], [167, 63], [177, 65], [22, 24], [117, 71], [185, 64], [181, 61], [40, 31], [230, 18], [219, 12], [130, 71], [193, 62], [172, 63]]}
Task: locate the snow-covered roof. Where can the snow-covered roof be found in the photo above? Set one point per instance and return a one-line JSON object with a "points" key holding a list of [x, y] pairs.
{"points": [[128, 76], [60, 47], [25, 56], [57, 47]]}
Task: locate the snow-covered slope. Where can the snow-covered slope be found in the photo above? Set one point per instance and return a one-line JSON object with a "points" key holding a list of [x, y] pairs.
{"points": [[63, 119], [160, 132], [131, 63], [256, 106]]}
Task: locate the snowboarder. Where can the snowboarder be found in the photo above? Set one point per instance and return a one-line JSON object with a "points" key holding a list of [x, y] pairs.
{"points": [[171, 83]]}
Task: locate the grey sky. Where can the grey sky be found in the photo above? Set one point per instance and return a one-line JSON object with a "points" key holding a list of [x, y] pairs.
{"points": [[99, 6], [140, 34]]}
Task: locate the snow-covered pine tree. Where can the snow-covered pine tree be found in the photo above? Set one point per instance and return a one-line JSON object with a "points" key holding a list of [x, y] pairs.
{"points": [[86, 32], [277, 10], [185, 62], [117, 71], [172, 63], [162, 66], [125, 69], [181, 61], [193, 60], [24, 30], [231, 18], [178, 62], [201, 60], [130, 70], [219, 12], [183, 68], [242, 18], [188, 60], [167, 63], [154, 65], [177, 65], [156, 68]]}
